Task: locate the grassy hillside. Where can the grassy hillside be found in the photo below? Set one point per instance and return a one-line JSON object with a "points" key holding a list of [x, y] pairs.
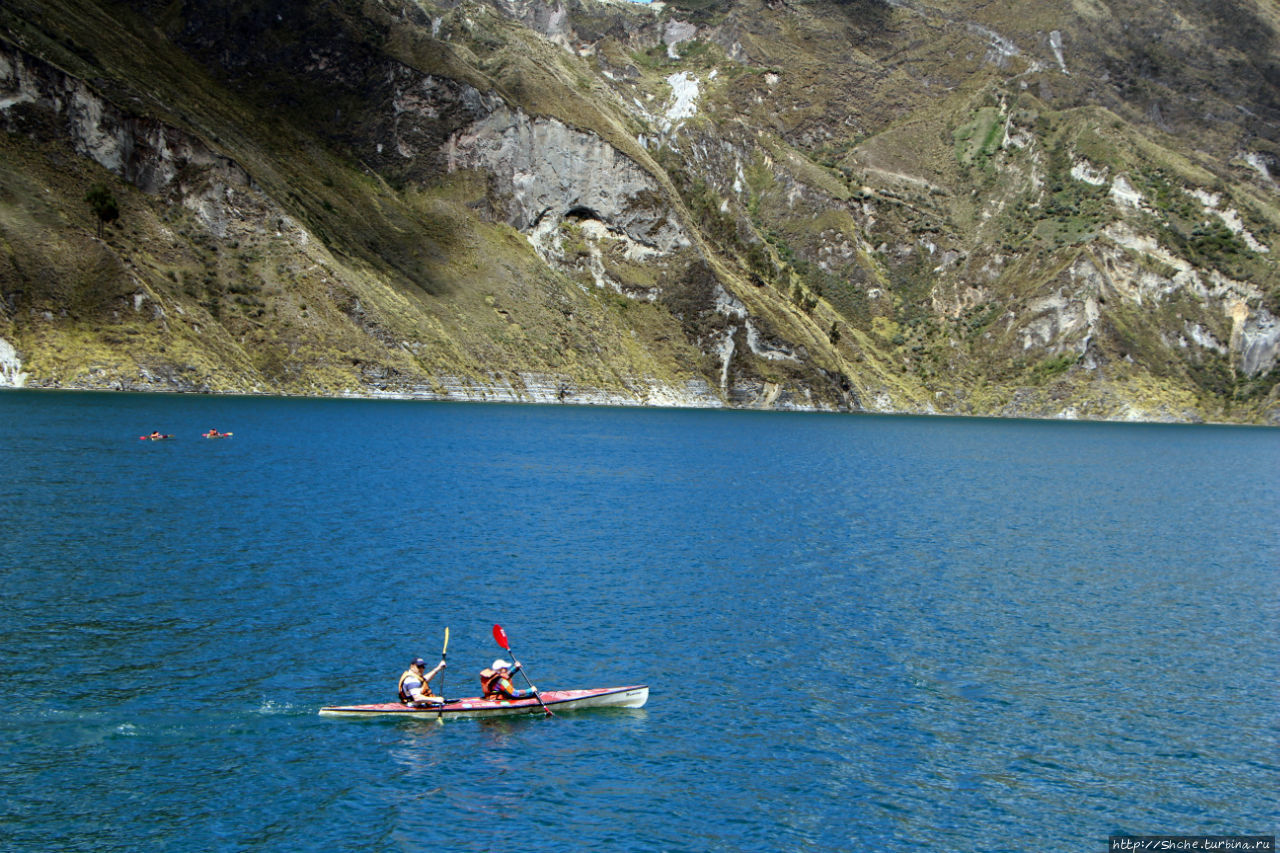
{"points": [[1052, 209]]}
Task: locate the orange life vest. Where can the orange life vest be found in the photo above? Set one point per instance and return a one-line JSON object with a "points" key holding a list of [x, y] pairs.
{"points": [[489, 684], [405, 676]]}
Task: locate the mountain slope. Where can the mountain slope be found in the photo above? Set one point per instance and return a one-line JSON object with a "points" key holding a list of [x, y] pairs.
{"points": [[997, 208]]}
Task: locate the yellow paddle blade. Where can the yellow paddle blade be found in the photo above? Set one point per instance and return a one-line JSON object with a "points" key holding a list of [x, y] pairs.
{"points": [[446, 641]]}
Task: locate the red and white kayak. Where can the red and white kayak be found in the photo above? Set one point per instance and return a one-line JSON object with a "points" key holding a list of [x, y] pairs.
{"points": [[556, 700]]}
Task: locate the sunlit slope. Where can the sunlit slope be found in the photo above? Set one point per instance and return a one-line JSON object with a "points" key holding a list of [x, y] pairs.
{"points": [[1017, 209]]}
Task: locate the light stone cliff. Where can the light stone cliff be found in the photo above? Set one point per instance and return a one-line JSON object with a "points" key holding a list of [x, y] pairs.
{"points": [[892, 207]]}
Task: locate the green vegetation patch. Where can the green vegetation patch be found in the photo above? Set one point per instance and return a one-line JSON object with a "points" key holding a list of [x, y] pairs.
{"points": [[979, 138], [1054, 366], [1187, 229]]}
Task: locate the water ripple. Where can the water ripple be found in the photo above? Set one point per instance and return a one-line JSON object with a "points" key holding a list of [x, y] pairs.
{"points": [[888, 632]]}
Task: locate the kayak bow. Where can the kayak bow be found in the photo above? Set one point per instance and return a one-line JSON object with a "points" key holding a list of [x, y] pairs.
{"points": [[562, 700]]}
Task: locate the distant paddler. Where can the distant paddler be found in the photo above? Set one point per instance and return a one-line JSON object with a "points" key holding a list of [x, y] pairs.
{"points": [[213, 433], [415, 687], [156, 435]]}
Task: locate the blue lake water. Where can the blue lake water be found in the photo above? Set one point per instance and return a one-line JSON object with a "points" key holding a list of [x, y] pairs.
{"points": [[868, 632]]}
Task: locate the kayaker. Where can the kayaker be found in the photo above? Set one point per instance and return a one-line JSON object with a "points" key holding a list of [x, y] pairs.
{"points": [[496, 681], [415, 687]]}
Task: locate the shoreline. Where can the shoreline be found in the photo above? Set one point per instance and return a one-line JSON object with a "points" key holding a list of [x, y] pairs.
{"points": [[617, 401]]}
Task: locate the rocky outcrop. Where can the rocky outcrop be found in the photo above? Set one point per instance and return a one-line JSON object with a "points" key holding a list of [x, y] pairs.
{"points": [[1256, 340], [11, 375], [544, 172], [156, 157]]}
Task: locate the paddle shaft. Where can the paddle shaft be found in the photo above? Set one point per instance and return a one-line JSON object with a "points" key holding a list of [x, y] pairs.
{"points": [[536, 694], [444, 654]]}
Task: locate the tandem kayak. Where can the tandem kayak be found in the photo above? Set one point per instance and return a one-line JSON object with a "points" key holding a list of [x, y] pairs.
{"points": [[556, 700]]}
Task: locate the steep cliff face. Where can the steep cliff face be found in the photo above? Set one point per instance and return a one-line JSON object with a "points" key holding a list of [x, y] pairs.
{"points": [[1014, 209]]}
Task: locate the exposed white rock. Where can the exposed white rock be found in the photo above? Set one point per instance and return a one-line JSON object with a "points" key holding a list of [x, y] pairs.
{"points": [[1123, 235], [149, 154], [766, 350], [1015, 137], [1259, 165], [1083, 170], [1255, 333], [675, 33], [551, 388], [882, 402], [11, 375], [548, 169], [724, 348], [1124, 193], [1204, 285], [729, 305], [684, 99], [1230, 217], [1206, 198], [999, 49], [17, 85], [596, 235], [1202, 338], [1062, 323], [1255, 338], [1055, 43]]}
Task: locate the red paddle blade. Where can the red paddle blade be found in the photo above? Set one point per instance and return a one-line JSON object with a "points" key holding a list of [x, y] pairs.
{"points": [[501, 636]]}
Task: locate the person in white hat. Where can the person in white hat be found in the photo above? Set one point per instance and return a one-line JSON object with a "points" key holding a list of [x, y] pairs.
{"points": [[496, 681]]}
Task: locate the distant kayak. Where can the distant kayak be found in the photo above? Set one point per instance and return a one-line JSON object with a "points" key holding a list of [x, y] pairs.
{"points": [[559, 700], [153, 437], [215, 434]]}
